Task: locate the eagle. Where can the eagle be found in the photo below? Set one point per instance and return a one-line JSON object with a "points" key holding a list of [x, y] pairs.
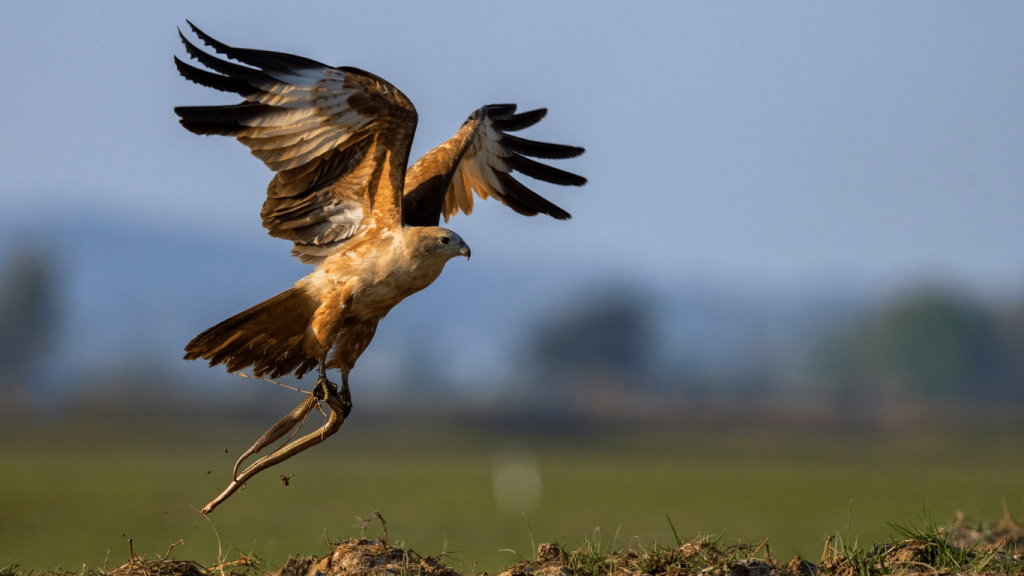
{"points": [[338, 140]]}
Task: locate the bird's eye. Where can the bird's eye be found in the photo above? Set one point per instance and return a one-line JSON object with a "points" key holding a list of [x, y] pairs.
{"points": [[445, 239]]}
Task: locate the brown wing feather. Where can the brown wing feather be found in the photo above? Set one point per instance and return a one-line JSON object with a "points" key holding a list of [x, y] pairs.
{"points": [[334, 135], [321, 209], [481, 157], [270, 337]]}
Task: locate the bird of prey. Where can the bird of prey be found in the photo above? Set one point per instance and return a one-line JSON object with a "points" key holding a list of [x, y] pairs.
{"points": [[338, 139]]}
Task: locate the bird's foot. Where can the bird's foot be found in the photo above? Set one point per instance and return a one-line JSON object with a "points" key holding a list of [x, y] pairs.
{"points": [[325, 391], [324, 388]]}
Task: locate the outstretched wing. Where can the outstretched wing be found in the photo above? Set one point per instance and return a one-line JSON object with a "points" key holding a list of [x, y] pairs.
{"points": [[338, 138], [481, 157]]}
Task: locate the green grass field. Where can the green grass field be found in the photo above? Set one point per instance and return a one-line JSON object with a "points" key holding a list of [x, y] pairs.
{"points": [[68, 491]]}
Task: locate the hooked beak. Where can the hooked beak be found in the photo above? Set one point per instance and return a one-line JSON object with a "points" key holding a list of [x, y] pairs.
{"points": [[464, 250]]}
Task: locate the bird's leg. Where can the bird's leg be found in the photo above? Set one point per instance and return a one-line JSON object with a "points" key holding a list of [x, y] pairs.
{"points": [[345, 398], [324, 387], [326, 391]]}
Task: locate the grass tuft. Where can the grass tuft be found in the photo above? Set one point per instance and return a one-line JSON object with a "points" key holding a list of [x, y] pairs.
{"points": [[916, 549], [929, 548]]}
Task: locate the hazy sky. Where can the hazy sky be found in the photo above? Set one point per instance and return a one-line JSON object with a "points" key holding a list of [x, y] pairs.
{"points": [[776, 143]]}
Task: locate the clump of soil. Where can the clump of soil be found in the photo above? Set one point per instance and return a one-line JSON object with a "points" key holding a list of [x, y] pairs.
{"points": [[159, 568], [361, 557]]}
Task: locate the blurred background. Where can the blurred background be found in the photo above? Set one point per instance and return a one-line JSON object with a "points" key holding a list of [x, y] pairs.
{"points": [[790, 299]]}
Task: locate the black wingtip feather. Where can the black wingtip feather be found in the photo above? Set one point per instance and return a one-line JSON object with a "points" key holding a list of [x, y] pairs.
{"points": [[543, 172], [250, 75], [211, 80], [265, 60], [519, 197], [520, 121], [499, 110], [536, 149], [222, 120]]}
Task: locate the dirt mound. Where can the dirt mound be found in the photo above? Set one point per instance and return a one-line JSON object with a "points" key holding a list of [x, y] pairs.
{"points": [[362, 557], [702, 557], [959, 549]]}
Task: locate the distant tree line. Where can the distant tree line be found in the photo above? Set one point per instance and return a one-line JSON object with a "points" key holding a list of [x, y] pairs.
{"points": [[29, 316], [930, 344], [927, 344]]}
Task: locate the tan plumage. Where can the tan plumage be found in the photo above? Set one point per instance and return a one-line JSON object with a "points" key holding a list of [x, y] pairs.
{"points": [[270, 337], [338, 139]]}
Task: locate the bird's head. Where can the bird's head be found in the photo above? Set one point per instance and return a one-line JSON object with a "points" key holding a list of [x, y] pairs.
{"points": [[439, 241]]}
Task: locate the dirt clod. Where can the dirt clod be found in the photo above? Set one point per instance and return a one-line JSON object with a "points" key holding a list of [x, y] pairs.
{"points": [[297, 566], [800, 567], [549, 553], [909, 557], [361, 557], [752, 567]]}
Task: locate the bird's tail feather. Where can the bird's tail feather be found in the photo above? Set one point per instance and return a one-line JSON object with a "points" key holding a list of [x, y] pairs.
{"points": [[270, 337]]}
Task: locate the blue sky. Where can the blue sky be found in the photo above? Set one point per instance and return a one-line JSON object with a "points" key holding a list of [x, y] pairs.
{"points": [[748, 144]]}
